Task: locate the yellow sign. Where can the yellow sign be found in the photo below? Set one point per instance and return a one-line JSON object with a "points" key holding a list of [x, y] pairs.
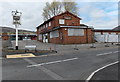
{"points": [[20, 55]]}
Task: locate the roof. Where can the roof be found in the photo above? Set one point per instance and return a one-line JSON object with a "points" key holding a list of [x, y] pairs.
{"points": [[83, 25], [105, 30], [9, 29], [55, 28], [56, 16], [117, 28]]}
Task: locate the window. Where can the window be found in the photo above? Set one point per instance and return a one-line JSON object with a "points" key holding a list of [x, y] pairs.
{"points": [[54, 34], [49, 23], [75, 32], [61, 21], [40, 37]]}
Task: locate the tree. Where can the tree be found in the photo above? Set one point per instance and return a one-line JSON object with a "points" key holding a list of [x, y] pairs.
{"points": [[71, 7], [56, 7]]}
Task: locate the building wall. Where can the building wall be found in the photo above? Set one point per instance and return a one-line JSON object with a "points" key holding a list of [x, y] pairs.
{"points": [[78, 39], [55, 22], [65, 39], [74, 21], [5, 36], [63, 34], [58, 40]]}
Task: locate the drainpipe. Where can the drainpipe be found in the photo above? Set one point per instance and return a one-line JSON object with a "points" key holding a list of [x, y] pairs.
{"points": [[86, 35]]}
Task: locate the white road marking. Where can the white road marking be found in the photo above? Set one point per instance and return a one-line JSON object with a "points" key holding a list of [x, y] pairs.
{"points": [[116, 51], [47, 71], [93, 73], [52, 62], [107, 53]]}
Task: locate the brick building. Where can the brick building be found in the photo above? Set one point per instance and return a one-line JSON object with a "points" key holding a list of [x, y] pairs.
{"points": [[64, 28]]}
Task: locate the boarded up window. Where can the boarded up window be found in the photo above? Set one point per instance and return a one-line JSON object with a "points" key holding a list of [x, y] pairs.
{"points": [[54, 34], [75, 32]]}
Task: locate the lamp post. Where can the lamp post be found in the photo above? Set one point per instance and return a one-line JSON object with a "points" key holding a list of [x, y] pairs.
{"points": [[16, 21]]}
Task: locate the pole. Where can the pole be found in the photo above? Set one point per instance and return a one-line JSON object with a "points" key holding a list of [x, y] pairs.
{"points": [[16, 21], [16, 36]]}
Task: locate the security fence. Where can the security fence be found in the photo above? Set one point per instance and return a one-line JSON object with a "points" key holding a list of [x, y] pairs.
{"points": [[107, 38]]}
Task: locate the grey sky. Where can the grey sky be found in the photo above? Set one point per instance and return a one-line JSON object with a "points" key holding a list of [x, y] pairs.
{"points": [[32, 14]]}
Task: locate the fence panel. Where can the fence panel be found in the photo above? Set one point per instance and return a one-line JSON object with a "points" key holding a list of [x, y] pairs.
{"points": [[107, 38]]}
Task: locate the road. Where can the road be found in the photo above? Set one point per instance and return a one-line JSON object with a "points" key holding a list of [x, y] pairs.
{"points": [[70, 65]]}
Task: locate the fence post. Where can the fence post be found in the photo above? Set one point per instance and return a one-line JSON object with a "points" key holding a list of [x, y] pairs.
{"points": [[106, 45]]}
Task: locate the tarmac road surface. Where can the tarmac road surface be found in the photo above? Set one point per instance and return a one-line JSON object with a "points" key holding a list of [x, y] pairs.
{"points": [[69, 65]]}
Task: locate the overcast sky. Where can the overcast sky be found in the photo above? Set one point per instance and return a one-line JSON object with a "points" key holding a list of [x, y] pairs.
{"points": [[100, 15]]}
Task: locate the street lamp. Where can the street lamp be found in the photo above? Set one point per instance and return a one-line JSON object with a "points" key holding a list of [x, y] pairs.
{"points": [[16, 21]]}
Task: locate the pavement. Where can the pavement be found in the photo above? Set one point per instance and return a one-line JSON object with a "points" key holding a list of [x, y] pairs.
{"points": [[67, 64], [58, 47]]}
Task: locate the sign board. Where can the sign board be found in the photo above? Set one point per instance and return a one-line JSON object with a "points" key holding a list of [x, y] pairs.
{"points": [[67, 17]]}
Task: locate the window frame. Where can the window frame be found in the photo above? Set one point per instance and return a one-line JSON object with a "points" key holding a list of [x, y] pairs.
{"points": [[61, 21], [74, 33]]}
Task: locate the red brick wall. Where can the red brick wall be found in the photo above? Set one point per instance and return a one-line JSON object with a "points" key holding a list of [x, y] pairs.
{"points": [[68, 22], [55, 21], [37, 33], [57, 40], [5, 36], [78, 39], [72, 39], [65, 38], [90, 35]]}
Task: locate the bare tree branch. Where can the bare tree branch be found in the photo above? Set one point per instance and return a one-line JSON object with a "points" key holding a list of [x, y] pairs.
{"points": [[56, 8]]}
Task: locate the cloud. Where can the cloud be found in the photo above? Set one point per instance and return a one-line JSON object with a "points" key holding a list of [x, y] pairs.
{"points": [[113, 13], [26, 0], [31, 14], [98, 0], [99, 15], [101, 24]]}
